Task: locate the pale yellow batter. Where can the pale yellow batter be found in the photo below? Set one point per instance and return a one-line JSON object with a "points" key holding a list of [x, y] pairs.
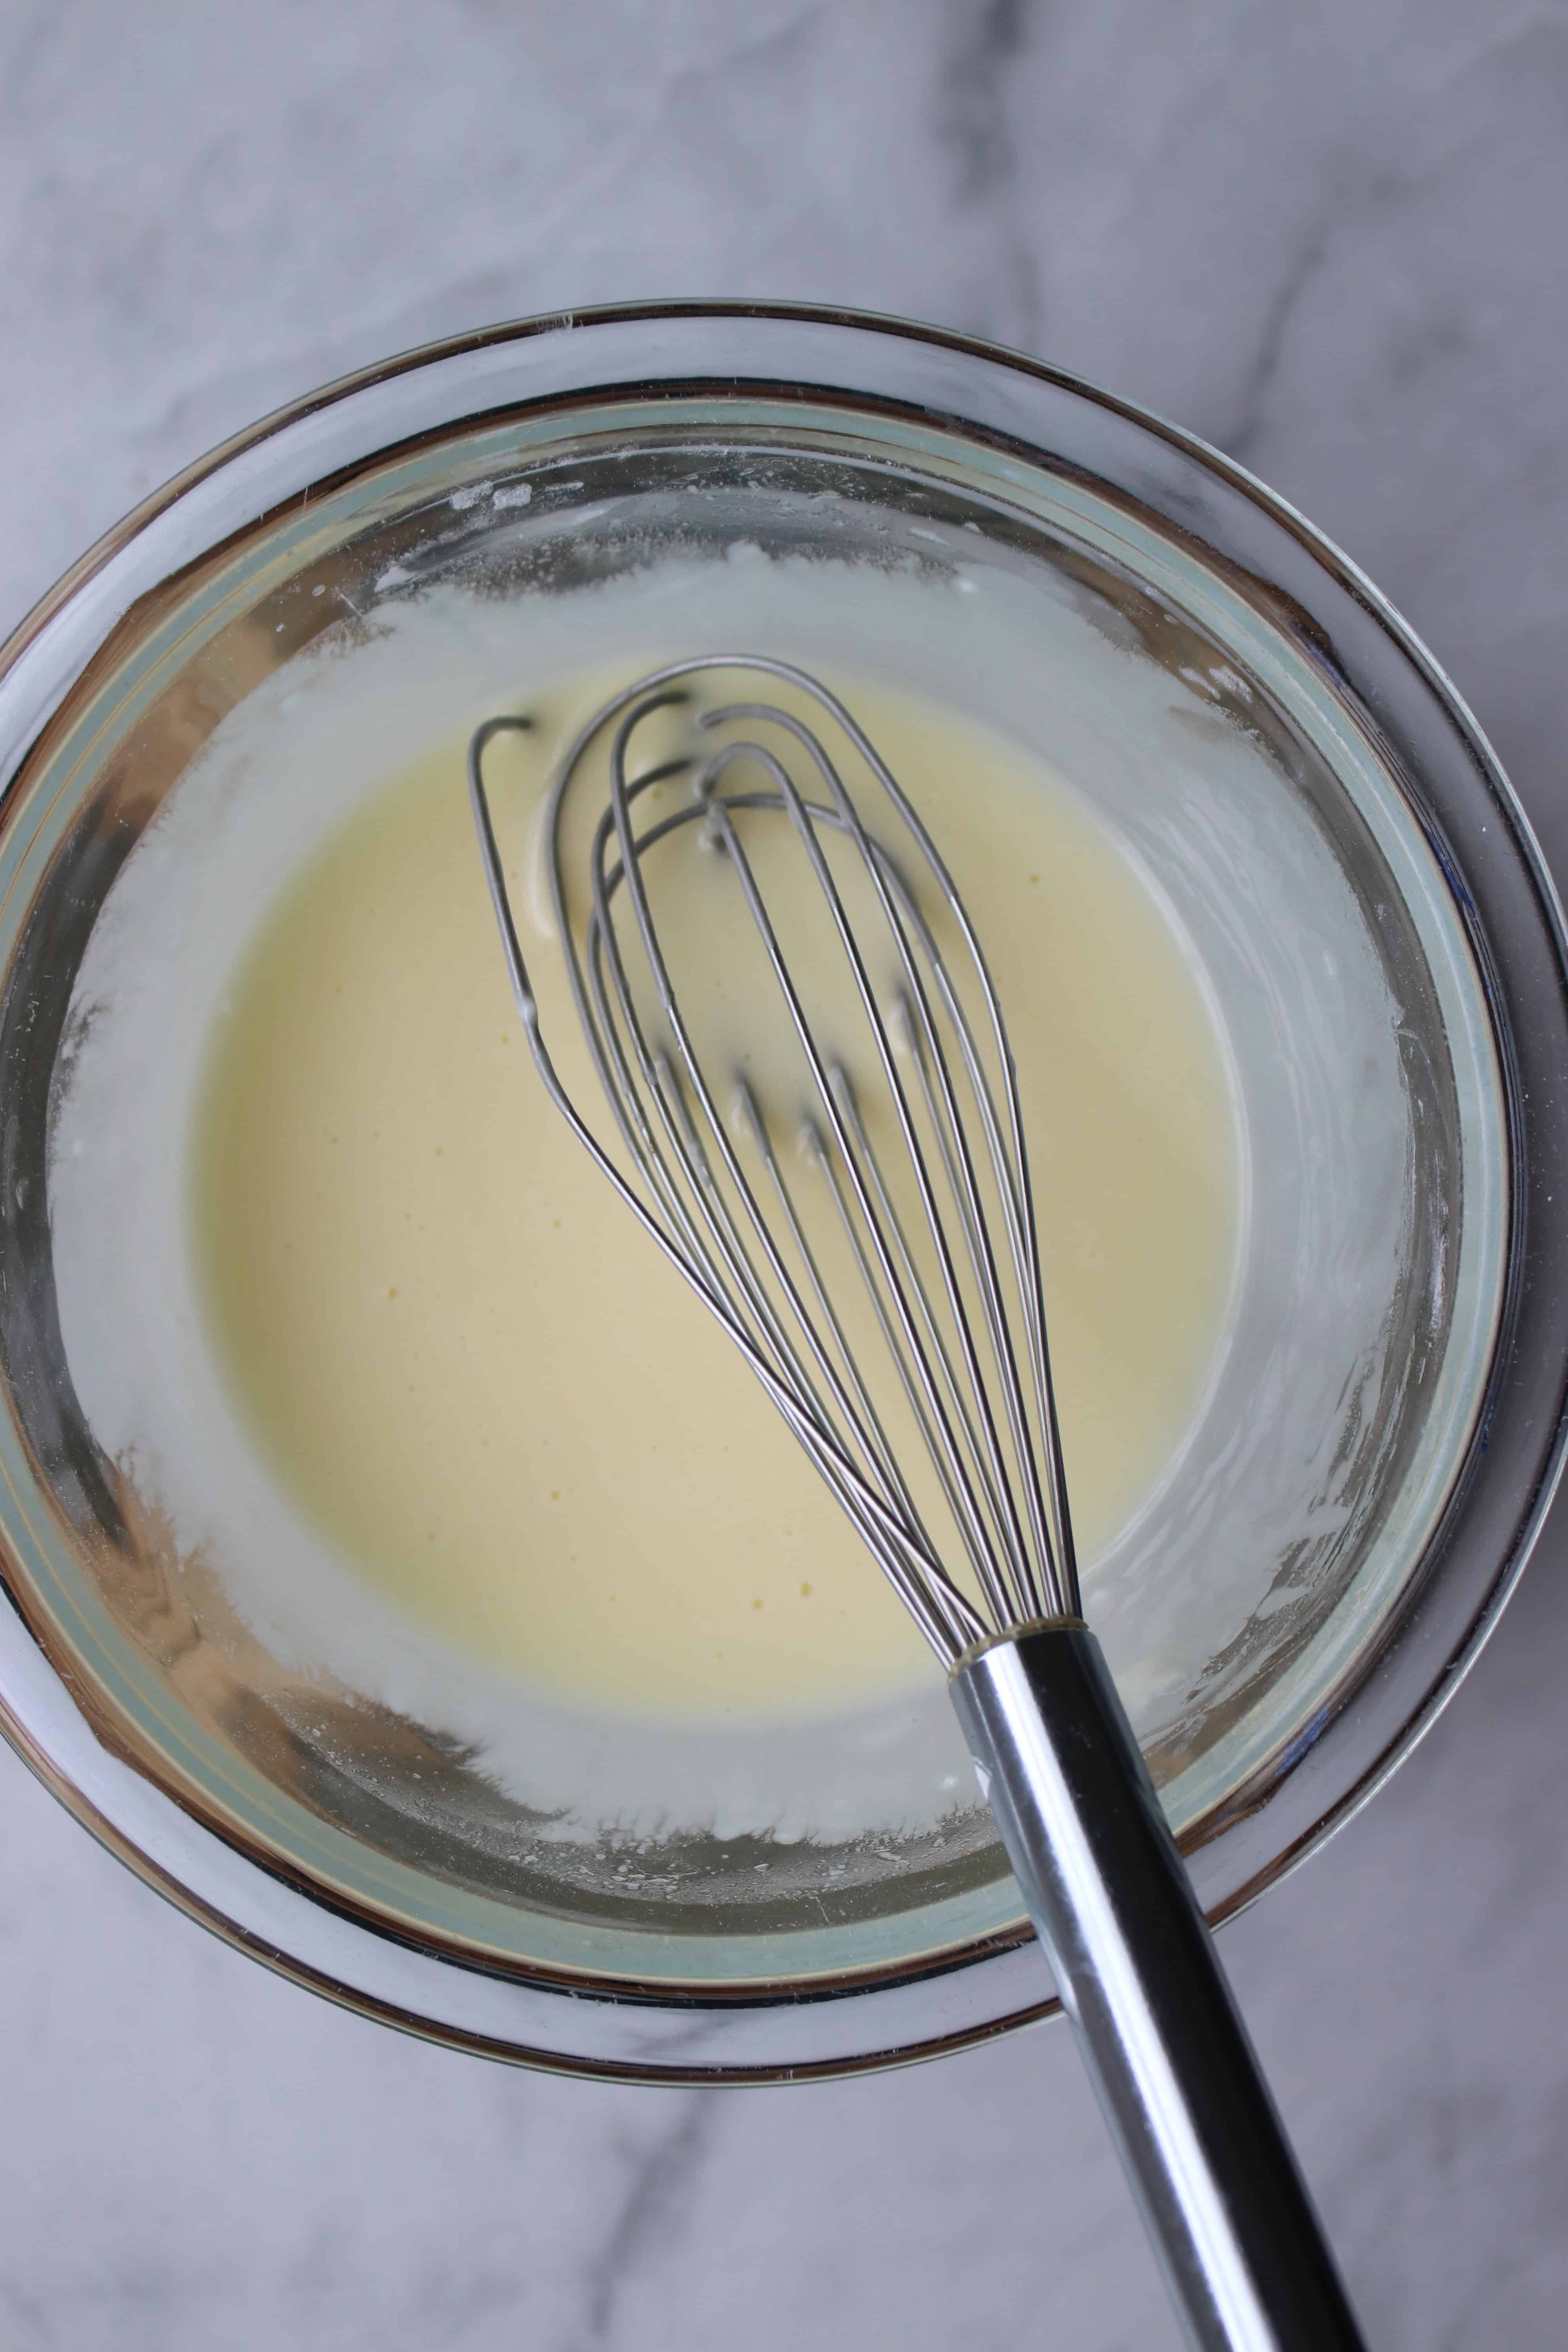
{"points": [[434, 1313]]}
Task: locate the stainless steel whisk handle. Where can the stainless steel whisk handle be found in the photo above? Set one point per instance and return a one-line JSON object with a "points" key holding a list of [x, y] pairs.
{"points": [[1137, 1972]]}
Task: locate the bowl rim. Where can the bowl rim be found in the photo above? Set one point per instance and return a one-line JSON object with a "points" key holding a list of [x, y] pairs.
{"points": [[41, 664]]}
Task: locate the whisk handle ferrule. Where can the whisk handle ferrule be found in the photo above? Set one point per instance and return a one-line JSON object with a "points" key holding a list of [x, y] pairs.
{"points": [[1137, 1972]]}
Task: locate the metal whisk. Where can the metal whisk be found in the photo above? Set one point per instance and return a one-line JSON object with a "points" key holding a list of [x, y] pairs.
{"points": [[922, 1392]]}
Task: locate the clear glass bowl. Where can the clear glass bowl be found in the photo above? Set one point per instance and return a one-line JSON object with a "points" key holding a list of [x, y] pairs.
{"points": [[1386, 954]]}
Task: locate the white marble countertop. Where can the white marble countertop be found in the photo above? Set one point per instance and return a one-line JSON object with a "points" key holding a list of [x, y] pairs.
{"points": [[1329, 236]]}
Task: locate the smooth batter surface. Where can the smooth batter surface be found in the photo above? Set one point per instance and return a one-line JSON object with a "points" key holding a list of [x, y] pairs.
{"points": [[482, 1383]]}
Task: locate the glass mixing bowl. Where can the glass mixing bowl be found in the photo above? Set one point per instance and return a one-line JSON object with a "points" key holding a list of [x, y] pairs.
{"points": [[1385, 954]]}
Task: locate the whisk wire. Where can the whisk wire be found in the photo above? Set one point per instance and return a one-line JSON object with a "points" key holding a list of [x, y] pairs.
{"points": [[813, 1147], [895, 902], [690, 1154], [948, 1621], [966, 1346], [691, 1159], [884, 1253], [979, 1557], [955, 1494], [1026, 1254]]}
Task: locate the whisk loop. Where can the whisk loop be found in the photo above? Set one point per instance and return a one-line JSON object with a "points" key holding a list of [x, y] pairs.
{"points": [[961, 1321]]}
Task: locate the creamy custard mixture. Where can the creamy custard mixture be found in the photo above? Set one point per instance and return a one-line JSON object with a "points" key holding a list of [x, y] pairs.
{"points": [[485, 1386], [362, 1324]]}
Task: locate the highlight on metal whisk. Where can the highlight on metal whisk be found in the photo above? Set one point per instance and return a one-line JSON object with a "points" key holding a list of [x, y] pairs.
{"points": [[857, 1216]]}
